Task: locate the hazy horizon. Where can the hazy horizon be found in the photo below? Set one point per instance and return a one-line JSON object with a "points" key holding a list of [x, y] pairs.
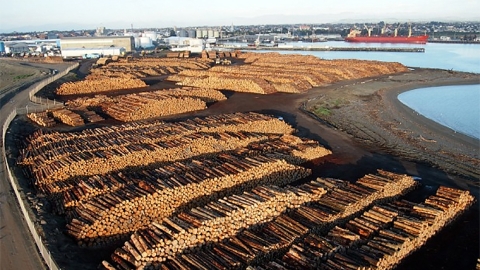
{"points": [[89, 14]]}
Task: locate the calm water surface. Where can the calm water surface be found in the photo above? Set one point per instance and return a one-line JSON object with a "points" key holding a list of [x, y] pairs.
{"points": [[456, 107]]}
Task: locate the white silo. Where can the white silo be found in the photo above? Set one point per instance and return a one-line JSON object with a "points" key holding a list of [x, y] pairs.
{"points": [[204, 33], [210, 33], [192, 33], [146, 42], [151, 34], [199, 33], [216, 33]]}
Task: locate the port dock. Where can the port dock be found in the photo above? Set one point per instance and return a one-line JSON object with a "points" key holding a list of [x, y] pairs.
{"points": [[327, 48]]}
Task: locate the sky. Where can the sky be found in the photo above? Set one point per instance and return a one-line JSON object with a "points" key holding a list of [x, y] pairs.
{"points": [[29, 15]]}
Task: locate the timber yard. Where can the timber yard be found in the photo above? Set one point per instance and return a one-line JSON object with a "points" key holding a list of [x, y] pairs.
{"points": [[201, 155]]}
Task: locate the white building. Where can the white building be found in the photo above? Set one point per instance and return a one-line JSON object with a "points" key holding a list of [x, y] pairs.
{"points": [[193, 45], [14, 47], [81, 52]]}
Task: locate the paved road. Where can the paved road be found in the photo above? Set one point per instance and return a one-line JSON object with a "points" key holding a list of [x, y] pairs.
{"points": [[17, 247]]}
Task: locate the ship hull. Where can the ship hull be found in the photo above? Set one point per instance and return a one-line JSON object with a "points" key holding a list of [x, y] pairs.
{"points": [[380, 39]]}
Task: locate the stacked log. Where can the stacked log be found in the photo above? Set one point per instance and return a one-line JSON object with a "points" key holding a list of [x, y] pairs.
{"points": [[217, 221], [74, 191], [51, 158], [140, 68], [274, 72], [254, 245], [137, 107], [42, 119], [249, 85], [68, 117], [97, 86], [398, 228], [91, 116], [134, 207], [184, 54]]}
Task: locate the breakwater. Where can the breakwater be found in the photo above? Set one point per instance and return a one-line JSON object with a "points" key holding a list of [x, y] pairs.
{"points": [[328, 48]]}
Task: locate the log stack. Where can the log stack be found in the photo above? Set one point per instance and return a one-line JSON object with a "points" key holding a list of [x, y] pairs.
{"points": [[99, 85], [262, 243], [134, 207], [140, 68], [68, 117], [42, 119], [273, 72], [399, 227], [215, 221], [57, 156], [74, 191], [138, 107]]}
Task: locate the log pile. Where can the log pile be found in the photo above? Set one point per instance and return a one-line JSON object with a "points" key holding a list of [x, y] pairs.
{"points": [[140, 68], [238, 84], [98, 86], [273, 72], [135, 107], [91, 116], [397, 229], [257, 244], [42, 119], [75, 190], [145, 171], [144, 105], [68, 117], [215, 221], [135, 206], [57, 156]]}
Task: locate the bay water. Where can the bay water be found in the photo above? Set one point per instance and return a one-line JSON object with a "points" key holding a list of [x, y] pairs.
{"points": [[456, 107]]}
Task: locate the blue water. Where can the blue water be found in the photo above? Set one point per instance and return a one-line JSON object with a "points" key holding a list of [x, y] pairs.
{"points": [[456, 107]]}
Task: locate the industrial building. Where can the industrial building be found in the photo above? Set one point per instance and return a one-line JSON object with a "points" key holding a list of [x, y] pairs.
{"points": [[87, 52], [143, 40], [126, 42], [16, 47], [185, 44]]}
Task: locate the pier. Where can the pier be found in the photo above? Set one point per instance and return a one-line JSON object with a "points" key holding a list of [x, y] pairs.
{"points": [[328, 48]]}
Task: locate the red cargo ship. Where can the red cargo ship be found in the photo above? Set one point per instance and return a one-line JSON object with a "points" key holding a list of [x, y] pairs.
{"points": [[355, 36]]}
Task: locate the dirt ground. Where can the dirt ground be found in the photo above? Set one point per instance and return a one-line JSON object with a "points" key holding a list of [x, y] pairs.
{"points": [[367, 129]]}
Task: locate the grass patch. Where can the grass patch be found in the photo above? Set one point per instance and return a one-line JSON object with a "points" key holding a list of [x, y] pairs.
{"points": [[326, 107], [21, 77], [322, 111]]}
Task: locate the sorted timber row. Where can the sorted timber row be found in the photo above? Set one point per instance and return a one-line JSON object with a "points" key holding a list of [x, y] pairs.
{"points": [[214, 222], [260, 243], [266, 73], [98, 86], [65, 116], [145, 105], [68, 117], [163, 192], [145, 67], [43, 119], [74, 191], [55, 156], [380, 238]]}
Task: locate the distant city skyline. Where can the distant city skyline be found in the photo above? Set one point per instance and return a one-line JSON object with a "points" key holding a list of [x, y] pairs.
{"points": [[24, 16]]}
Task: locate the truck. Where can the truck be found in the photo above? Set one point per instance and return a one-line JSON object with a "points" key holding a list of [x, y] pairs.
{"points": [[91, 56]]}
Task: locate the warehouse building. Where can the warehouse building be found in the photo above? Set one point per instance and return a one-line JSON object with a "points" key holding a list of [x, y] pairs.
{"points": [[126, 42], [86, 53]]}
